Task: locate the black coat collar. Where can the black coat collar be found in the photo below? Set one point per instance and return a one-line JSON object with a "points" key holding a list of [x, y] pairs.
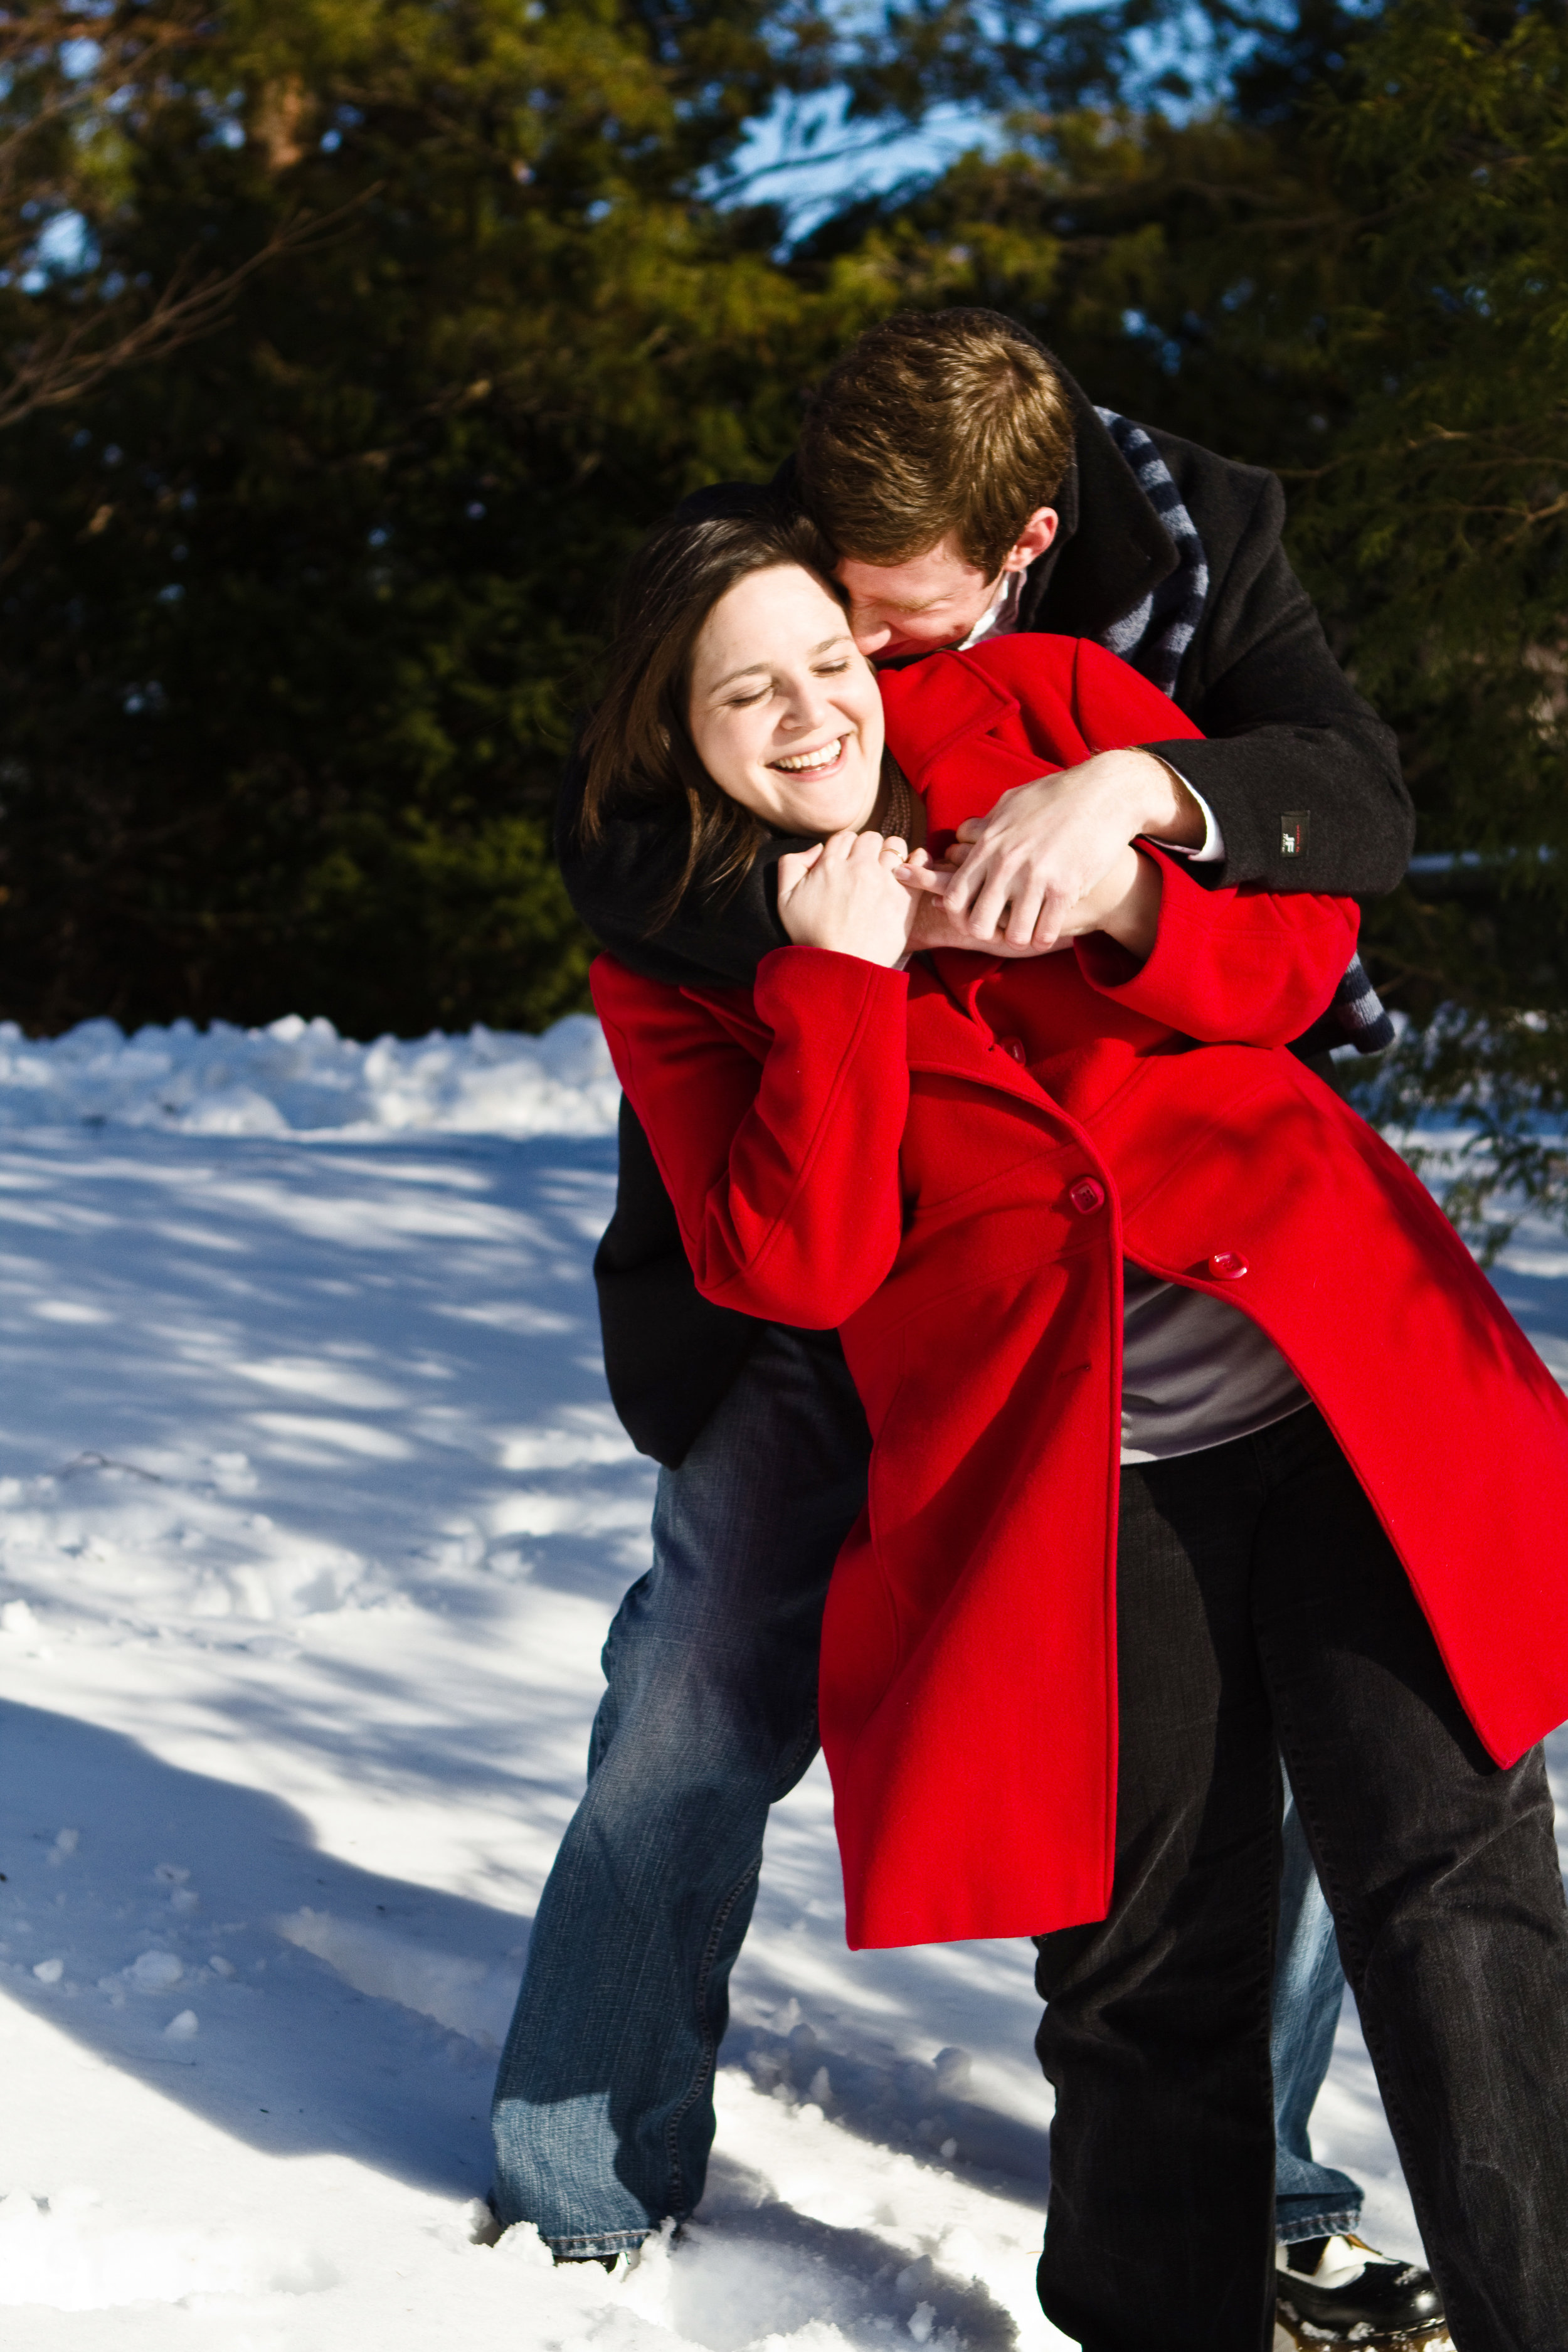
{"points": [[1088, 578]]}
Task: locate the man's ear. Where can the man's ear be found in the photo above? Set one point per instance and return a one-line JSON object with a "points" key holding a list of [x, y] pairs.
{"points": [[1033, 540]]}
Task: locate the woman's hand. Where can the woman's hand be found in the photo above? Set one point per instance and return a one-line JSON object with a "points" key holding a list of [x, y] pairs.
{"points": [[845, 895], [936, 927]]}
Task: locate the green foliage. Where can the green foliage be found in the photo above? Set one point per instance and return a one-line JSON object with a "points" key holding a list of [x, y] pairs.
{"points": [[296, 621], [1148, 254], [1367, 290], [1445, 504], [1436, 534], [1477, 1105], [298, 614]]}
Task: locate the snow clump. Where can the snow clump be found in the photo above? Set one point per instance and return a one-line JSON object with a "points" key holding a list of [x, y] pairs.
{"points": [[299, 1077], [155, 1971]]}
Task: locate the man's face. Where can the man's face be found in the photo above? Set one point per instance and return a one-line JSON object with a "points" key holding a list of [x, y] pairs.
{"points": [[934, 599]]}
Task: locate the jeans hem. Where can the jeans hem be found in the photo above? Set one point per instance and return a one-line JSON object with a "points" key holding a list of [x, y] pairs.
{"points": [[597, 2248], [1322, 2225]]}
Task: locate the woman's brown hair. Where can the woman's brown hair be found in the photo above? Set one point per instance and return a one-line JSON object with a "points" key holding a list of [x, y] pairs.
{"points": [[638, 745]]}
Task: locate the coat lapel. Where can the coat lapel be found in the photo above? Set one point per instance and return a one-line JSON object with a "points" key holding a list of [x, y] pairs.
{"points": [[933, 706]]}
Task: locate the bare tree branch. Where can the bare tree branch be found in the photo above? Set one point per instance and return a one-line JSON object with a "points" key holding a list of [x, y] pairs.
{"points": [[67, 365], [126, 48]]}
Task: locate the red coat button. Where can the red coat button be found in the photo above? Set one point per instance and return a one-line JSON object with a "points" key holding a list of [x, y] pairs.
{"points": [[1227, 1266], [1086, 1195], [1014, 1045]]}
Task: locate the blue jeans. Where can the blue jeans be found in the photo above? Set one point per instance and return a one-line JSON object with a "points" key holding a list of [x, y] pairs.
{"points": [[603, 2103], [1311, 2199]]}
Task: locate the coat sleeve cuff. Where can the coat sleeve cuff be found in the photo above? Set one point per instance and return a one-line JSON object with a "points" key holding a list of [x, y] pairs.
{"points": [[820, 991], [1250, 966]]}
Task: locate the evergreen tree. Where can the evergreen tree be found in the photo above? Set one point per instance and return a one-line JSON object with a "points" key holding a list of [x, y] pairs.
{"points": [[1436, 530], [297, 616], [1355, 274], [295, 624]]}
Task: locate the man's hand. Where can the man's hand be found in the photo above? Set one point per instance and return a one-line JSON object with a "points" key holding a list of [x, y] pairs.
{"points": [[1018, 874], [935, 928], [1124, 904]]}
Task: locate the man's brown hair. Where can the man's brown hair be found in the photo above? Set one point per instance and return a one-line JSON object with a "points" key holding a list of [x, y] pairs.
{"points": [[936, 422]]}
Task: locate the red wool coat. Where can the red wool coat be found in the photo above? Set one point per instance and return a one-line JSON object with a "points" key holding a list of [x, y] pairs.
{"points": [[949, 1165]]}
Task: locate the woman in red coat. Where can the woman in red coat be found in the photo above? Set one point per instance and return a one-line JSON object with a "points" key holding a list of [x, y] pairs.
{"points": [[1197, 1438]]}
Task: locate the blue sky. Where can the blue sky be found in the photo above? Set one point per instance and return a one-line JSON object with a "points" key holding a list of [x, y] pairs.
{"points": [[804, 155]]}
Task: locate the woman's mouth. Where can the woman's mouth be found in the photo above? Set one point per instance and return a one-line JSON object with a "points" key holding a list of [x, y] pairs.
{"points": [[813, 763]]}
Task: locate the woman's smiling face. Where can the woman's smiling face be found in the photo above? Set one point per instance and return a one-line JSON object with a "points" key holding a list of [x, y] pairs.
{"points": [[786, 715]]}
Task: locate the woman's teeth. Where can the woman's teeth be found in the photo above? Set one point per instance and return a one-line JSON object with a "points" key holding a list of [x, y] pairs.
{"points": [[802, 760]]}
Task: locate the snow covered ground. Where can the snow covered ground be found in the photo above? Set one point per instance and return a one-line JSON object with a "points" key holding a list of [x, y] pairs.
{"points": [[313, 1515]]}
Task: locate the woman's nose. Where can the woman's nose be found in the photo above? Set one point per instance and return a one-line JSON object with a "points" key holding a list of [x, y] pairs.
{"points": [[807, 706]]}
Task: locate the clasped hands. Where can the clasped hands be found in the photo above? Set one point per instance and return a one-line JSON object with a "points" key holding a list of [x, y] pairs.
{"points": [[1053, 860]]}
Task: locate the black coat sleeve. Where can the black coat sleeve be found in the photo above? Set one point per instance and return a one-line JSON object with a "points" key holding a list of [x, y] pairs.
{"points": [[670, 1355], [618, 883], [1287, 737]]}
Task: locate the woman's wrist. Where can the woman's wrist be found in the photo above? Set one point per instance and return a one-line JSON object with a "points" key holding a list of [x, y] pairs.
{"points": [[1133, 921], [880, 960], [1124, 904]]}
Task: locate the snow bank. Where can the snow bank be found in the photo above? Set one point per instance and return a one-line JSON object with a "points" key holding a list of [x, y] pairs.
{"points": [[299, 1077], [64, 2254], [313, 1515]]}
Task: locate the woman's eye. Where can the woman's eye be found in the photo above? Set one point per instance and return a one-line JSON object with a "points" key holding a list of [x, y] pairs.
{"points": [[744, 701], [832, 669]]}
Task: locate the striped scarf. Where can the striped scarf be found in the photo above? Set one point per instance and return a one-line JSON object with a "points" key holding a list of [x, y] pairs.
{"points": [[1153, 639]]}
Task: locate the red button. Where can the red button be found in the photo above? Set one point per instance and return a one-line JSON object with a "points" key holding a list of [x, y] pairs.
{"points": [[1227, 1266], [1086, 1195], [1014, 1045]]}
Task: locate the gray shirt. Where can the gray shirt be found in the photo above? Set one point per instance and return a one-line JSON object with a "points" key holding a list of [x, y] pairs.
{"points": [[1195, 1371]]}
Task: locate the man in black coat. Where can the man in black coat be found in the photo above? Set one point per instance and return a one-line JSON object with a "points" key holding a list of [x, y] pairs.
{"points": [[1171, 556]]}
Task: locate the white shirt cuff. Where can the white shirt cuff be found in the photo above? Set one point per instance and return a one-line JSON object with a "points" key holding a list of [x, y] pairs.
{"points": [[1211, 850]]}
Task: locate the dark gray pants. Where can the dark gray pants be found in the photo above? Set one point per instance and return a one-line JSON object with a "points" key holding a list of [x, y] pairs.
{"points": [[1261, 1609]]}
